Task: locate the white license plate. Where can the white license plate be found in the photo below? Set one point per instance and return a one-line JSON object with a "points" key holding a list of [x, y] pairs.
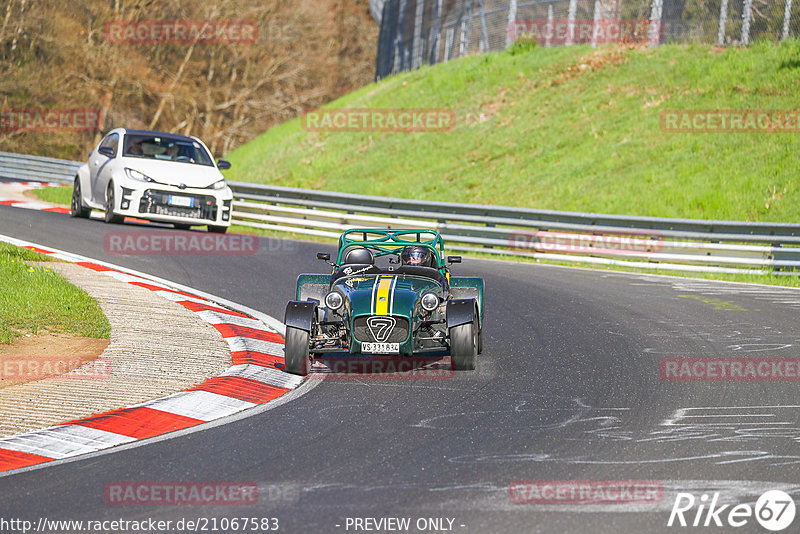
{"points": [[186, 202], [381, 348]]}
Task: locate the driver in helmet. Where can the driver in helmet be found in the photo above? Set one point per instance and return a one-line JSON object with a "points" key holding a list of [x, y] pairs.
{"points": [[416, 256]]}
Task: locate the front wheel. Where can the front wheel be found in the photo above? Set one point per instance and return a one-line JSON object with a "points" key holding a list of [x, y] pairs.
{"points": [[110, 216], [464, 346], [297, 357], [217, 229], [76, 208]]}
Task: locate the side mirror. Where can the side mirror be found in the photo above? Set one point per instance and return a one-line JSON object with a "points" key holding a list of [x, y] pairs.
{"points": [[323, 256], [107, 151], [453, 259], [223, 165]]}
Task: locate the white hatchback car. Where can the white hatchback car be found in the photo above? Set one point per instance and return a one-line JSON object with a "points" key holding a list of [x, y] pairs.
{"points": [[155, 176]]}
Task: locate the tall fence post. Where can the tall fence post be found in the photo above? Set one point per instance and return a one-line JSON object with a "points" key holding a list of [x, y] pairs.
{"points": [[435, 31], [466, 27], [571, 14], [595, 20], [747, 14], [511, 32], [398, 40], [416, 60], [656, 25], [549, 28], [787, 14], [723, 20], [484, 44]]}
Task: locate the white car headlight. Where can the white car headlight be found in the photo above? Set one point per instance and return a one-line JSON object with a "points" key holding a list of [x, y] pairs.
{"points": [[334, 300], [429, 301], [136, 175], [217, 185]]}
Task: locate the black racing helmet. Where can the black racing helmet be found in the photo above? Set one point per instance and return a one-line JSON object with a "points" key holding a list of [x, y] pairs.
{"points": [[359, 255], [417, 256]]}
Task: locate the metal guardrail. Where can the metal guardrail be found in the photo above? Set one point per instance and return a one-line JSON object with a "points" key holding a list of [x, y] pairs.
{"points": [[642, 242], [37, 168]]}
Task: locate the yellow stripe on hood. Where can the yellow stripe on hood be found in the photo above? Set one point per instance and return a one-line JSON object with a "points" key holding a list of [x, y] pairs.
{"points": [[383, 294]]}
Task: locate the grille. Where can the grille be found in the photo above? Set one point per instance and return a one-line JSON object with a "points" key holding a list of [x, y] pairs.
{"points": [[362, 332], [157, 202]]}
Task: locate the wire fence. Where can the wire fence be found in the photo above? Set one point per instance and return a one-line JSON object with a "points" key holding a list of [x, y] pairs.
{"points": [[417, 32]]}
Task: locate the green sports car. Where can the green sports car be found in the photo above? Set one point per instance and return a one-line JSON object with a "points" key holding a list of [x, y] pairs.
{"points": [[390, 293]]}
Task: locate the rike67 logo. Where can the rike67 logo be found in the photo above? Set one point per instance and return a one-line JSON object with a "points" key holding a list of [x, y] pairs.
{"points": [[774, 510]]}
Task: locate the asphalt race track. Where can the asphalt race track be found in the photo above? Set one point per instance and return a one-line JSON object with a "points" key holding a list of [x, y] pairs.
{"points": [[568, 388]]}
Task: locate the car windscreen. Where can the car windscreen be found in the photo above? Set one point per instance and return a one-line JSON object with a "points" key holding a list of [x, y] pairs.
{"points": [[165, 148]]}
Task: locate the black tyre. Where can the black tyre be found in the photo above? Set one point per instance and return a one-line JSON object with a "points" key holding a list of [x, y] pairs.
{"points": [[297, 357], [480, 341], [217, 229], [464, 346], [181, 226], [76, 208], [110, 216]]}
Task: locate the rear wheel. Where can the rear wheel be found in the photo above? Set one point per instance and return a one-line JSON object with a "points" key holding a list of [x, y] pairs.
{"points": [[110, 216], [464, 346], [217, 229], [76, 208], [297, 358]]}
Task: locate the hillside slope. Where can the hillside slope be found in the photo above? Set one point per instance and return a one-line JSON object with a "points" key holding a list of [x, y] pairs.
{"points": [[564, 128]]}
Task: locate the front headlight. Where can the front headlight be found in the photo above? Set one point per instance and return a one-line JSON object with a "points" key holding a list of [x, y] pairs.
{"points": [[136, 175], [217, 185], [429, 301], [334, 300]]}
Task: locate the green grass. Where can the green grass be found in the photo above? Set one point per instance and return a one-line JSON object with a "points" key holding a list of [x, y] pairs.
{"points": [[566, 128], [34, 299]]}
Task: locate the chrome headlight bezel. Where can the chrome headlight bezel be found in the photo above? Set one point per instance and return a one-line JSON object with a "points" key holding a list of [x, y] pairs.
{"points": [[429, 302], [331, 303]]}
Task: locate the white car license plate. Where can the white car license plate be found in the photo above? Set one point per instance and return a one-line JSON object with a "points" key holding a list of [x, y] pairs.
{"points": [[186, 202], [381, 348]]}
